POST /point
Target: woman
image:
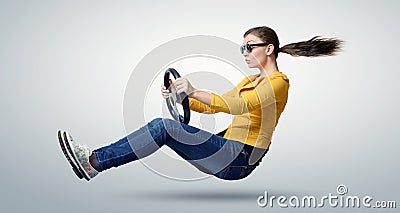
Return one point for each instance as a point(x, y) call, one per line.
point(256, 103)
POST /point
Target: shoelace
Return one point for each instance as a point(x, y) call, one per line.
point(80, 146)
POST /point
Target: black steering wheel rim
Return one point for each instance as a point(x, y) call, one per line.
point(172, 99)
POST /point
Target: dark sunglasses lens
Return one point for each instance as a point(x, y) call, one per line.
point(249, 48)
point(246, 47)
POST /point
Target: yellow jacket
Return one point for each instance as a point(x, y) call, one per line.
point(256, 107)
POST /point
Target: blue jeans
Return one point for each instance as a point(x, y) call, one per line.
point(210, 153)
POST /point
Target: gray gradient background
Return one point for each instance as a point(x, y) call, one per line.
point(65, 64)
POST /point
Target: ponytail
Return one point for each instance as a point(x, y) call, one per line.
point(314, 47)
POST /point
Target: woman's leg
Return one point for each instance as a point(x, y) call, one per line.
point(208, 152)
point(119, 152)
point(118, 146)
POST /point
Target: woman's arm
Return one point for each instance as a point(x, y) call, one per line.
point(201, 96)
point(256, 98)
point(199, 101)
point(183, 85)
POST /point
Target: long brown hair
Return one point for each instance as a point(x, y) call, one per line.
point(316, 46)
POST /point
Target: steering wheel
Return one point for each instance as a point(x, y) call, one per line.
point(174, 97)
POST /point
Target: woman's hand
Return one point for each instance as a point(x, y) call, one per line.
point(165, 91)
point(183, 85)
point(180, 85)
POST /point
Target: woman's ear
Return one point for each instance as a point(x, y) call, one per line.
point(269, 50)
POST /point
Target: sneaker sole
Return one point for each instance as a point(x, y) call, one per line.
point(75, 159)
point(70, 161)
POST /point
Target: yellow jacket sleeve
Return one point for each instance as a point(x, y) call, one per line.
point(198, 106)
point(244, 101)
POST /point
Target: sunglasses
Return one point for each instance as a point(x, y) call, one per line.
point(249, 47)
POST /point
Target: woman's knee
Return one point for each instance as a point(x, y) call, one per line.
point(164, 121)
point(155, 121)
point(171, 125)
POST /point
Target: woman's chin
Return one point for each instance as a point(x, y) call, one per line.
point(251, 66)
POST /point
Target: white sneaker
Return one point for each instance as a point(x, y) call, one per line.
point(80, 154)
point(68, 156)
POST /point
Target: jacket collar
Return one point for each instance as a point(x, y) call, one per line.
point(248, 82)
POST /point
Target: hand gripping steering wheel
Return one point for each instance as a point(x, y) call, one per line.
point(174, 98)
